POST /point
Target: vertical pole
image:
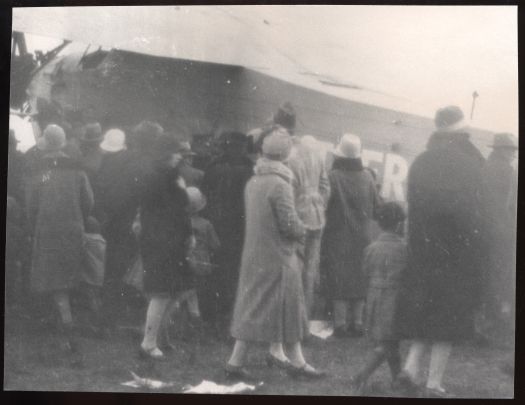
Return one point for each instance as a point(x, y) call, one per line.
point(474, 96)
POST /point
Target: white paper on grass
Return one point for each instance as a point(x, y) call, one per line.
point(321, 329)
point(139, 382)
point(210, 387)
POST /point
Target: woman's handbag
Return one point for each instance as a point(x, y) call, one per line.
point(94, 259)
point(134, 276)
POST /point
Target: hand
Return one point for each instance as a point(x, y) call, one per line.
point(136, 228)
point(181, 183)
point(192, 242)
point(175, 159)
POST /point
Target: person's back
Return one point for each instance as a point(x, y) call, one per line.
point(384, 260)
point(57, 187)
point(59, 199)
point(311, 185)
point(354, 196)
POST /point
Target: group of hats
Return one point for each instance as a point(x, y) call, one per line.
point(54, 138)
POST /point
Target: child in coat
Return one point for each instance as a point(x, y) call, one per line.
point(94, 265)
point(199, 256)
point(384, 260)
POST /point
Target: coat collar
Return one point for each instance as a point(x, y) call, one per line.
point(442, 140)
point(266, 166)
point(348, 164)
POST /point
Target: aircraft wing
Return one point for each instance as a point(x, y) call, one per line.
point(263, 38)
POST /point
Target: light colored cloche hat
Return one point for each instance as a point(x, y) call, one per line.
point(114, 141)
point(53, 139)
point(349, 147)
point(196, 199)
point(450, 119)
point(504, 140)
point(277, 145)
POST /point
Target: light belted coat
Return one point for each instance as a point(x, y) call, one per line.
point(310, 183)
point(270, 304)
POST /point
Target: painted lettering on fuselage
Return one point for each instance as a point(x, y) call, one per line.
point(391, 170)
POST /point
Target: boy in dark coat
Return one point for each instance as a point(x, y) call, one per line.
point(383, 262)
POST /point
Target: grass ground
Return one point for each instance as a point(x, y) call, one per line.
point(33, 360)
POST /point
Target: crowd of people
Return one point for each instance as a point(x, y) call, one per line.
point(249, 243)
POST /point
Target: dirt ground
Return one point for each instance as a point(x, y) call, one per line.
point(34, 360)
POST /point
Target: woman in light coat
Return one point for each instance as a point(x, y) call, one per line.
point(270, 305)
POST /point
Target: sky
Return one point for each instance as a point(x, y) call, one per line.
point(430, 55)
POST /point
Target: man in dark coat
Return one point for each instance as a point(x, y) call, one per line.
point(120, 182)
point(444, 240)
point(499, 201)
point(192, 176)
point(223, 185)
point(91, 153)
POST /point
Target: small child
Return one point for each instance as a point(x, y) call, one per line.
point(200, 252)
point(206, 244)
point(384, 260)
point(94, 265)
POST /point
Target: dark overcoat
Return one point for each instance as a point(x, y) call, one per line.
point(117, 192)
point(441, 284)
point(351, 209)
point(223, 185)
point(499, 181)
point(58, 200)
point(270, 305)
point(166, 228)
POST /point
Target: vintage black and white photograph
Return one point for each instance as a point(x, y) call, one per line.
point(263, 199)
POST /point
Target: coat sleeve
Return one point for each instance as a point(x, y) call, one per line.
point(32, 197)
point(324, 184)
point(282, 202)
point(86, 195)
point(213, 239)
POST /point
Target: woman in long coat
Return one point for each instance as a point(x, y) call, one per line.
point(442, 280)
point(270, 305)
point(349, 214)
point(165, 232)
point(58, 200)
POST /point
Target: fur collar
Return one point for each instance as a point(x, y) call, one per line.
point(266, 166)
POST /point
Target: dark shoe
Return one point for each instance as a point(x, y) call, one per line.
point(305, 371)
point(238, 373)
point(406, 384)
point(272, 361)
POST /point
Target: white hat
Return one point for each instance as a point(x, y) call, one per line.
point(277, 145)
point(349, 147)
point(114, 141)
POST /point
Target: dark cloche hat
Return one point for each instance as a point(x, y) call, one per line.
point(92, 133)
